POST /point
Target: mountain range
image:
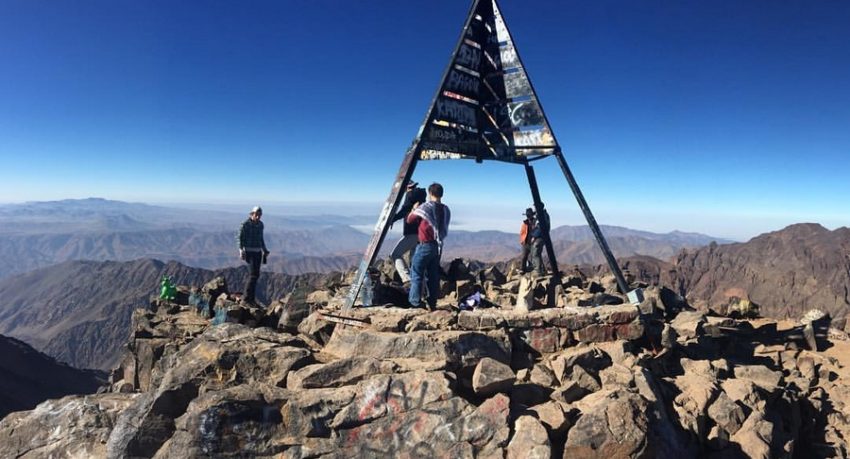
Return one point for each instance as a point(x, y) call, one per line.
point(787, 272)
point(79, 311)
point(40, 234)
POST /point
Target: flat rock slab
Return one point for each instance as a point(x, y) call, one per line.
point(572, 318)
point(383, 318)
point(761, 376)
point(337, 373)
point(562, 325)
point(457, 348)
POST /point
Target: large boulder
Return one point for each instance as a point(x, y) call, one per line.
point(73, 426)
point(612, 424)
point(392, 395)
point(696, 392)
point(551, 414)
point(688, 324)
point(235, 422)
point(617, 424)
point(589, 358)
point(755, 436)
point(727, 414)
point(310, 413)
point(491, 376)
point(223, 356)
point(292, 309)
point(530, 440)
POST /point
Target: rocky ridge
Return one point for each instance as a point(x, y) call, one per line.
point(28, 377)
point(207, 376)
point(787, 272)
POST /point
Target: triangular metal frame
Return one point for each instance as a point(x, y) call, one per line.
point(485, 109)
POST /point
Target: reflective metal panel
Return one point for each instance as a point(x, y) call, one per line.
point(486, 107)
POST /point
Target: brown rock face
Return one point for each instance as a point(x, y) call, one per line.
point(530, 440)
point(492, 376)
point(615, 424)
point(74, 426)
point(786, 272)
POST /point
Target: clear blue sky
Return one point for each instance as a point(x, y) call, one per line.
point(727, 117)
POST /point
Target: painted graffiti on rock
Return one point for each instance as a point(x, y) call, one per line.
point(434, 429)
point(418, 414)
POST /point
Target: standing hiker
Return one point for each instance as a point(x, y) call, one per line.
point(538, 239)
point(252, 249)
point(525, 240)
point(414, 196)
point(432, 222)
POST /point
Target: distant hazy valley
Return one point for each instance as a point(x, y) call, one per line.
point(36, 235)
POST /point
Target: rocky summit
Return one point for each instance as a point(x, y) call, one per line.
point(543, 367)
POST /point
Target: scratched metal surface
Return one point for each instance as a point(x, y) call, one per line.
point(486, 106)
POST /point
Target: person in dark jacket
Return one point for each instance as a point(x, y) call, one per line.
point(525, 240)
point(538, 240)
point(432, 222)
point(252, 249)
point(413, 197)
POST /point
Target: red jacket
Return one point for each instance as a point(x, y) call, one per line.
point(425, 231)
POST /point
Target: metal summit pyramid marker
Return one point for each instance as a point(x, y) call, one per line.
point(485, 109)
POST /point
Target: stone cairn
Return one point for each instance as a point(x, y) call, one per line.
point(543, 369)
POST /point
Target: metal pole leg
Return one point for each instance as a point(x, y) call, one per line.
point(597, 233)
point(405, 172)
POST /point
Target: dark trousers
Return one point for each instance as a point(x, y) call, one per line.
point(539, 267)
point(254, 259)
point(524, 264)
